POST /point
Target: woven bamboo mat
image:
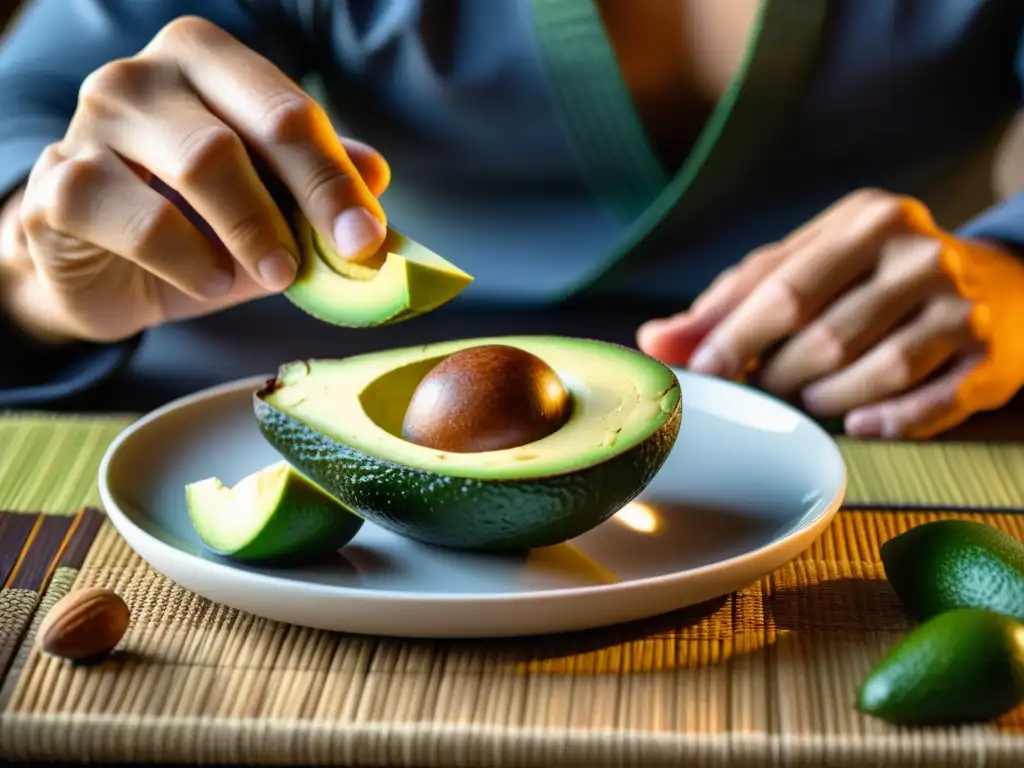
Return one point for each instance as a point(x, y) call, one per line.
point(48, 463)
point(765, 676)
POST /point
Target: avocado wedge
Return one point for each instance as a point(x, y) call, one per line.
point(401, 281)
point(340, 423)
point(272, 514)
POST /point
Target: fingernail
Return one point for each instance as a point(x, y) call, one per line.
point(864, 424)
point(708, 361)
point(357, 232)
point(218, 284)
point(277, 270)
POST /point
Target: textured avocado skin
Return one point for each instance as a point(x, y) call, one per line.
point(949, 564)
point(468, 513)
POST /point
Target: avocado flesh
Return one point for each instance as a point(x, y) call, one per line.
point(272, 514)
point(339, 421)
point(403, 280)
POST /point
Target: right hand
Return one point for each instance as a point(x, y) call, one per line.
point(100, 254)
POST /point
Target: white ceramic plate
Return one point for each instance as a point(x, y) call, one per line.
point(750, 484)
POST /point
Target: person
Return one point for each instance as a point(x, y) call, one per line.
point(772, 170)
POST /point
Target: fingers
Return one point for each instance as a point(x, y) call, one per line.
point(284, 126)
point(908, 274)
point(128, 107)
point(900, 362)
point(97, 199)
point(830, 259)
point(673, 340)
point(921, 413)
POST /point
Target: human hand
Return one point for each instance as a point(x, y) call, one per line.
point(869, 312)
point(99, 254)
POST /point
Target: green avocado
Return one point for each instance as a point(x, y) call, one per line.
point(947, 564)
point(272, 514)
point(401, 281)
point(965, 665)
point(340, 423)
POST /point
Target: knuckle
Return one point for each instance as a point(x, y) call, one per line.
point(32, 214)
point(928, 252)
point(759, 254)
point(115, 81)
point(145, 227)
point(72, 182)
point(726, 280)
point(251, 229)
point(832, 345)
point(50, 157)
point(791, 304)
point(950, 317)
point(203, 149)
point(888, 209)
point(871, 196)
point(187, 31)
point(290, 117)
point(325, 181)
point(899, 367)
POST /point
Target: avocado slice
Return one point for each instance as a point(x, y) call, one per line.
point(340, 422)
point(401, 281)
point(272, 514)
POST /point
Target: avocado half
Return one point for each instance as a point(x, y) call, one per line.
point(401, 281)
point(339, 422)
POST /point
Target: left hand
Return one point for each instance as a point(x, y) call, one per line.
point(861, 313)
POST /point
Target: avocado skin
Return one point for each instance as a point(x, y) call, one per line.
point(962, 666)
point(948, 564)
point(467, 513)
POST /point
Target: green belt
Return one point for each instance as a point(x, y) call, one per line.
point(612, 148)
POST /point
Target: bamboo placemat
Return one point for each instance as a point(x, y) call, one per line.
point(765, 676)
point(48, 463)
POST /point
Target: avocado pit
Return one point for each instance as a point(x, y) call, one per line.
point(486, 398)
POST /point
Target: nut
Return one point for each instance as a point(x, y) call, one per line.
point(84, 624)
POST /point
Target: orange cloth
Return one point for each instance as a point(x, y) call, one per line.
point(994, 282)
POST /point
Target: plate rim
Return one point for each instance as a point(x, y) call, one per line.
point(799, 538)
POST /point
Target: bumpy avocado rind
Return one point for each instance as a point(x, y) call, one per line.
point(948, 564)
point(402, 281)
point(274, 514)
point(965, 665)
point(339, 422)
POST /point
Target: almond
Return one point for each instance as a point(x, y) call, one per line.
point(84, 623)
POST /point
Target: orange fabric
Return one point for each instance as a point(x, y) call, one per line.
point(994, 282)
